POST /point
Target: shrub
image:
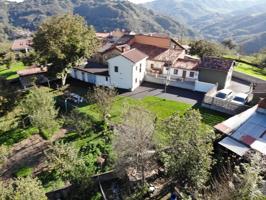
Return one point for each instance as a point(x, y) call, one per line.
point(24, 172)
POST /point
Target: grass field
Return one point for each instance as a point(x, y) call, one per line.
point(251, 70)
point(162, 108)
point(11, 73)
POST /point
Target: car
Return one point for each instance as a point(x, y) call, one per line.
point(240, 98)
point(76, 98)
point(224, 94)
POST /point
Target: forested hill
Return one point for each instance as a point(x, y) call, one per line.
point(243, 21)
point(104, 15)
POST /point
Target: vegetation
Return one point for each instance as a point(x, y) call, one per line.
point(103, 98)
point(256, 72)
point(24, 172)
point(4, 152)
point(65, 159)
point(162, 108)
point(189, 156)
point(39, 107)
point(22, 188)
point(133, 141)
point(78, 122)
point(11, 73)
point(205, 48)
point(64, 41)
point(117, 14)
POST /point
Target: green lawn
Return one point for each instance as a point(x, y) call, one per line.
point(251, 70)
point(162, 108)
point(11, 73)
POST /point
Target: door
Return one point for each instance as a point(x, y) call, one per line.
point(184, 74)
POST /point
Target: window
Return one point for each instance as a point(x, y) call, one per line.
point(191, 74)
point(175, 71)
point(106, 78)
point(116, 69)
point(136, 80)
point(140, 68)
point(152, 66)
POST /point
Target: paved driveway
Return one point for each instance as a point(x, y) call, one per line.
point(239, 86)
point(172, 93)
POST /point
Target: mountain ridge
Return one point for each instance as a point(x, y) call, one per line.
point(104, 15)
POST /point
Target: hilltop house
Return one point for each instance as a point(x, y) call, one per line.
point(155, 58)
point(22, 45)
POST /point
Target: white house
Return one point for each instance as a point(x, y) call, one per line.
point(127, 70)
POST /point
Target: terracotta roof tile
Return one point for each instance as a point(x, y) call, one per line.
point(21, 44)
point(215, 63)
point(134, 55)
point(189, 64)
point(32, 71)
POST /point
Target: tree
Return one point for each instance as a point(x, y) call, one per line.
point(188, 158)
point(205, 48)
point(39, 107)
point(80, 122)
point(133, 140)
point(63, 41)
point(66, 161)
point(103, 97)
point(242, 183)
point(4, 152)
point(230, 44)
point(9, 58)
point(22, 188)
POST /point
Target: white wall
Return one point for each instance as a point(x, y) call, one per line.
point(124, 77)
point(180, 73)
point(90, 78)
point(138, 76)
point(203, 86)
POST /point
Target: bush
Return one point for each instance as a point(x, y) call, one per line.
point(24, 172)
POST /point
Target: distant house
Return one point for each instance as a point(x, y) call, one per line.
point(22, 45)
point(125, 71)
point(217, 71)
point(245, 131)
point(32, 75)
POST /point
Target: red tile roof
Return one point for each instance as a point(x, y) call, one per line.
point(134, 55)
point(189, 64)
point(157, 53)
point(215, 63)
point(32, 71)
point(21, 44)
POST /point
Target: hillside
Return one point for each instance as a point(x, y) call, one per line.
point(188, 11)
point(242, 21)
point(104, 15)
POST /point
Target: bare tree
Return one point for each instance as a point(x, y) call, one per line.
point(104, 98)
point(133, 140)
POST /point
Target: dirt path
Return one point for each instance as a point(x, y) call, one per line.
point(29, 153)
